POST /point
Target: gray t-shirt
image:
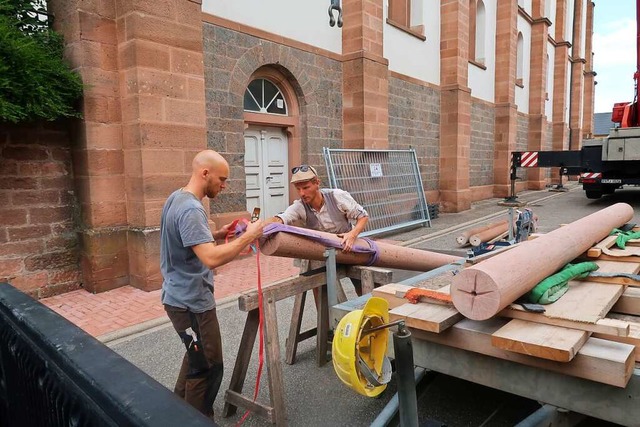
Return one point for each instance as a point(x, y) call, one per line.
point(187, 282)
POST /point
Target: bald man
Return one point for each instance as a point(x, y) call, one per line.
point(188, 253)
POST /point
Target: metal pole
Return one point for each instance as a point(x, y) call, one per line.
point(511, 224)
point(512, 177)
point(332, 278)
point(388, 412)
point(407, 397)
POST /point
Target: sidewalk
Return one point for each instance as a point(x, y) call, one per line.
point(107, 312)
point(113, 311)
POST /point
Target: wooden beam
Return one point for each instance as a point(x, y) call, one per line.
point(598, 360)
point(284, 289)
point(425, 316)
point(610, 327)
point(629, 302)
point(237, 399)
point(605, 266)
point(381, 276)
point(535, 339)
point(633, 338)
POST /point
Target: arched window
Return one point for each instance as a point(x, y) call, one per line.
point(520, 61)
point(477, 28)
point(262, 96)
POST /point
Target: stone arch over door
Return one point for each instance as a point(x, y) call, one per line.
point(291, 123)
point(312, 85)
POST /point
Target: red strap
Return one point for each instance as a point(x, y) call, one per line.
point(260, 321)
point(231, 234)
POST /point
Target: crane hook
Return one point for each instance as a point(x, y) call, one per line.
point(335, 5)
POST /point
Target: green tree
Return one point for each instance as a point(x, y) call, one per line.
point(35, 82)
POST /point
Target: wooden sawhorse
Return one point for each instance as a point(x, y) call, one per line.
point(248, 302)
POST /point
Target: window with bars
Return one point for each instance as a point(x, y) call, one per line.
point(263, 96)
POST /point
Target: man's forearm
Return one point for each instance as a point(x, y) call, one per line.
point(361, 224)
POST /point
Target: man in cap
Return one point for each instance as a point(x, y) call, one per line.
point(330, 210)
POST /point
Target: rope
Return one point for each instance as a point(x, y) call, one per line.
point(238, 227)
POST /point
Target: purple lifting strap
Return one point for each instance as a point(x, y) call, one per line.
point(273, 228)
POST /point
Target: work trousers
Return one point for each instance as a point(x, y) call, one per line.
point(202, 368)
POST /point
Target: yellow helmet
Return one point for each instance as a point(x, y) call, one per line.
point(359, 359)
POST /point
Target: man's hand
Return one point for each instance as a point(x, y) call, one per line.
point(222, 232)
point(254, 229)
point(348, 240)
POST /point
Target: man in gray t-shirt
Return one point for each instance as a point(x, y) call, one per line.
point(188, 253)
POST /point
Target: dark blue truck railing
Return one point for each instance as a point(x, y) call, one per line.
point(54, 374)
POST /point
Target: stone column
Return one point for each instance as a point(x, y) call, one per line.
point(537, 91)
point(163, 116)
point(589, 77)
point(560, 74)
point(455, 106)
point(365, 95)
point(143, 121)
point(89, 31)
point(577, 79)
point(506, 128)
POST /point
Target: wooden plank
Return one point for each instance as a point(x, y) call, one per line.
point(284, 289)
point(274, 372)
point(605, 266)
point(425, 316)
point(291, 344)
point(633, 338)
point(598, 360)
point(381, 276)
point(535, 339)
point(606, 243)
point(606, 326)
point(388, 292)
point(629, 302)
point(237, 399)
point(585, 301)
point(392, 292)
point(634, 259)
point(242, 361)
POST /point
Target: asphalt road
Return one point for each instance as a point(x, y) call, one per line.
point(315, 396)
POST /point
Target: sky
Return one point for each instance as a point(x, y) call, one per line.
point(614, 52)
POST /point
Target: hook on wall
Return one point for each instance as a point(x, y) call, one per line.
point(335, 5)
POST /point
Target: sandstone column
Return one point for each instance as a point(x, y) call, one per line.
point(89, 31)
point(537, 91)
point(589, 76)
point(577, 79)
point(365, 89)
point(560, 81)
point(163, 116)
point(143, 121)
point(506, 128)
point(455, 106)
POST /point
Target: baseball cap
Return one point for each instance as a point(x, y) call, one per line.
point(303, 173)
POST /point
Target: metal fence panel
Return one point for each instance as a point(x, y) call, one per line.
point(386, 183)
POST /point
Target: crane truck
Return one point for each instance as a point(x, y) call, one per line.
point(603, 165)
